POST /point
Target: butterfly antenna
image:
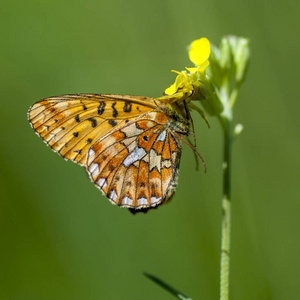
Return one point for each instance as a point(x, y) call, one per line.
point(193, 148)
point(188, 114)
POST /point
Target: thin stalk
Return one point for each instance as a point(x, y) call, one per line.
point(226, 207)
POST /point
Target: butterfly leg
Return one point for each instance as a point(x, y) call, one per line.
point(189, 117)
point(177, 134)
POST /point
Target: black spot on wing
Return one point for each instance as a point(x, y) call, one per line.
point(77, 119)
point(93, 121)
point(89, 141)
point(115, 111)
point(75, 134)
point(127, 107)
point(78, 151)
point(101, 107)
point(112, 122)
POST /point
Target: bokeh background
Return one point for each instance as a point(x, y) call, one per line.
point(61, 239)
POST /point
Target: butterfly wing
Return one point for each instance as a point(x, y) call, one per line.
point(70, 124)
point(137, 165)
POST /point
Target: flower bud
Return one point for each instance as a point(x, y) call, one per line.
point(200, 92)
point(241, 55)
point(225, 59)
point(205, 92)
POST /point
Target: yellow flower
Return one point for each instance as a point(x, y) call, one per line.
point(182, 80)
point(199, 54)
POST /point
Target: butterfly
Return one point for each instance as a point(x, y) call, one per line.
point(129, 145)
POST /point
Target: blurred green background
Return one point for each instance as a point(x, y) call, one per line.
point(61, 239)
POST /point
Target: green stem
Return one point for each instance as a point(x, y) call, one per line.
point(226, 121)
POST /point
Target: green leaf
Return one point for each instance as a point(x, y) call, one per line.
point(166, 286)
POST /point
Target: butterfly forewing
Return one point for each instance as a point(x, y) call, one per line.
point(69, 124)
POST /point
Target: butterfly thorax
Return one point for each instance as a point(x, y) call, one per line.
point(178, 119)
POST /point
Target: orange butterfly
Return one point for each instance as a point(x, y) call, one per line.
point(129, 145)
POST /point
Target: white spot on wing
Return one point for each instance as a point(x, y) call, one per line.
point(134, 156)
point(131, 146)
point(146, 158)
point(94, 169)
point(91, 154)
point(102, 183)
point(154, 199)
point(131, 130)
point(166, 163)
point(127, 201)
point(136, 164)
point(113, 195)
point(174, 154)
point(154, 160)
point(142, 201)
point(162, 136)
point(128, 141)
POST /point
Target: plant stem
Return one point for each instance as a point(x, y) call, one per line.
point(225, 121)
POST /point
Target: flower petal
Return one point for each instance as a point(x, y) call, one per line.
point(193, 70)
point(179, 82)
point(200, 69)
point(200, 51)
point(203, 66)
point(171, 90)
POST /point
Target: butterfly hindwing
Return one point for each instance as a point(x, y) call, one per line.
point(136, 165)
point(70, 124)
